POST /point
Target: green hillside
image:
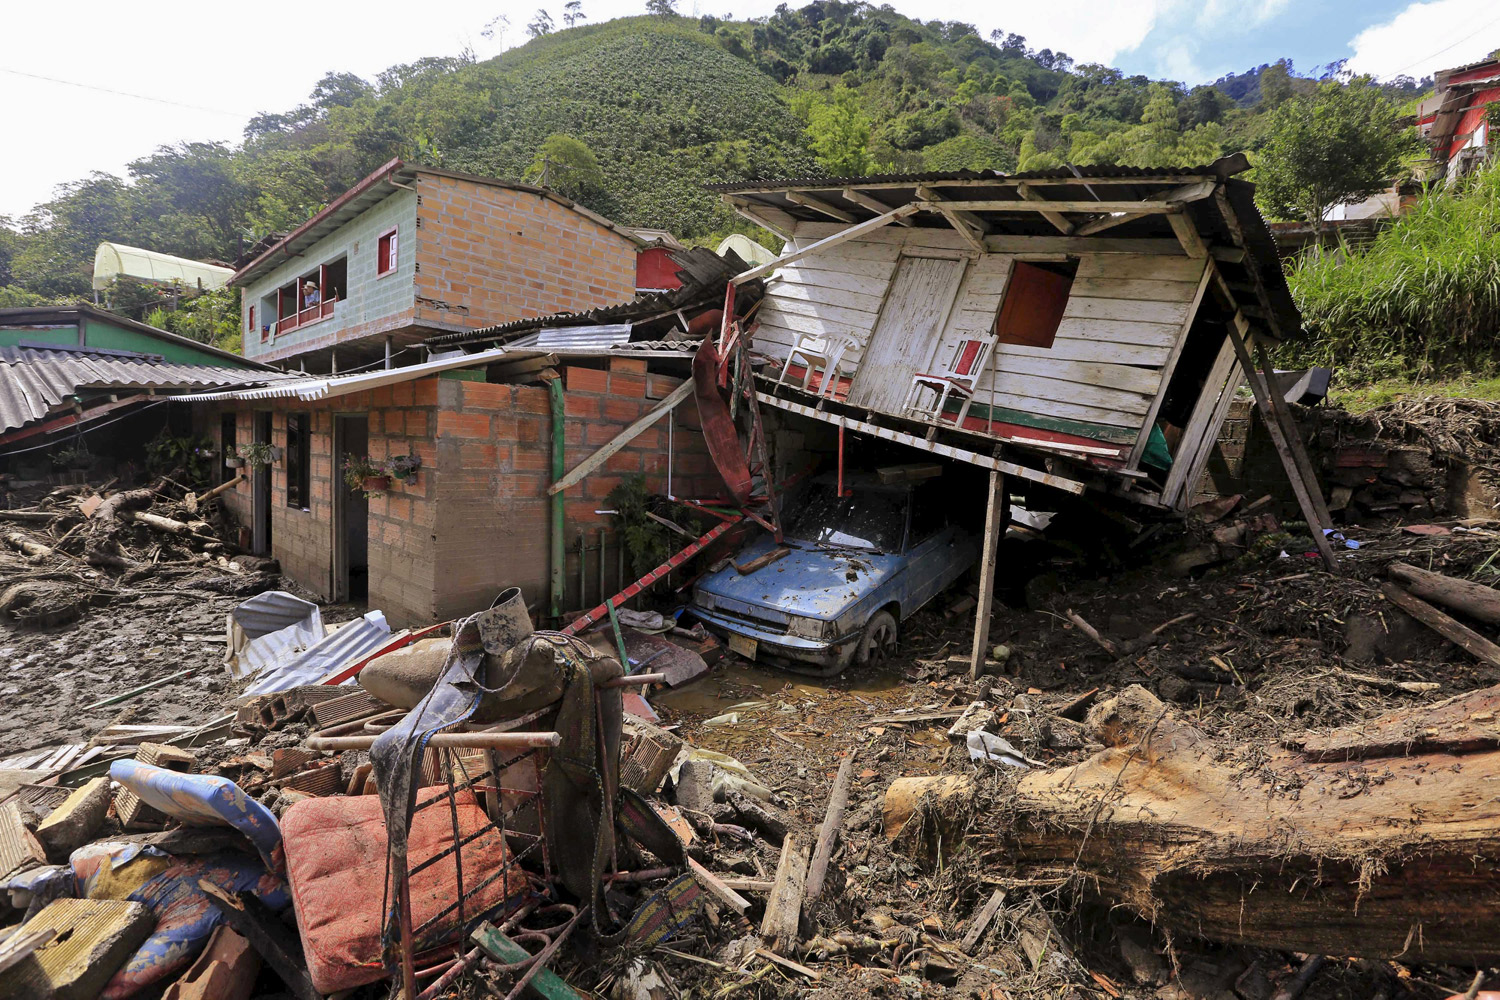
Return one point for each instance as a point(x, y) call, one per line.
point(632, 117)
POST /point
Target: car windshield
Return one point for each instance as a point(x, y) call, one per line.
point(873, 520)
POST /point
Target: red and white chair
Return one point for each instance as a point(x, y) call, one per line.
point(959, 380)
point(826, 350)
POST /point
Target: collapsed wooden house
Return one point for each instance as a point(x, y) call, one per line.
point(1091, 321)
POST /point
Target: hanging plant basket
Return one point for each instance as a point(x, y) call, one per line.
point(235, 462)
point(376, 484)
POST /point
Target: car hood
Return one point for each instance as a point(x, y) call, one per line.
point(812, 582)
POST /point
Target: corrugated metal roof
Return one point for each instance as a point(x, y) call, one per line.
point(308, 388)
point(34, 382)
point(1224, 167)
point(601, 337)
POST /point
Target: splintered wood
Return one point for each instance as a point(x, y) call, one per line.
point(1348, 849)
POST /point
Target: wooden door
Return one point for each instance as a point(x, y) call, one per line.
point(911, 321)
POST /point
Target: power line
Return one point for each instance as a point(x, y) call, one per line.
point(1455, 45)
point(126, 93)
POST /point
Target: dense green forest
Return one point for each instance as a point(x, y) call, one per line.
point(634, 116)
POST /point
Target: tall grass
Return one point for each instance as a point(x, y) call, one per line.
point(1422, 301)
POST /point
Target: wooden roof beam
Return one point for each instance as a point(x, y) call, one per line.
point(821, 206)
point(969, 226)
point(770, 218)
point(1057, 219)
point(873, 204)
point(859, 229)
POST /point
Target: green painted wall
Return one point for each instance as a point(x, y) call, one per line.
point(119, 338)
point(11, 336)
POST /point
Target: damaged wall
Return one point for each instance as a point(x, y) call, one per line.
point(477, 517)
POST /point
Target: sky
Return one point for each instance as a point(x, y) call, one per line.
point(107, 83)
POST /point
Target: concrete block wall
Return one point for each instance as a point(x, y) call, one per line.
point(477, 518)
point(488, 255)
point(377, 303)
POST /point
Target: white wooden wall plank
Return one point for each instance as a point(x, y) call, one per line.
point(1067, 349)
point(831, 263)
point(841, 280)
point(1142, 381)
point(836, 297)
point(1170, 313)
point(844, 319)
point(1153, 267)
point(1134, 288)
point(1057, 408)
point(1038, 387)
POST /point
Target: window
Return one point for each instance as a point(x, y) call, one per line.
point(250, 323)
point(385, 253)
point(226, 447)
point(1032, 308)
point(298, 460)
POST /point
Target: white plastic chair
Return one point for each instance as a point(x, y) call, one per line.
point(826, 350)
point(960, 378)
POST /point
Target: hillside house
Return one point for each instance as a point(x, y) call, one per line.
point(411, 252)
point(1455, 118)
point(1076, 318)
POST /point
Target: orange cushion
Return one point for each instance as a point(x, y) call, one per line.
point(335, 859)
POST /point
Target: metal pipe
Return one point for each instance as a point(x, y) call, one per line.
point(388, 363)
point(671, 420)
point(634, 679)
point(465, 741)
point(841, 459)
point(555, 540)
point(603, 586)
point(619, 562)
point(545, 956)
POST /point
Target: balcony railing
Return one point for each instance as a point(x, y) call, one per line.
point(311, 314)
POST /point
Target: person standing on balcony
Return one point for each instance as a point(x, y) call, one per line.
point(309, 294)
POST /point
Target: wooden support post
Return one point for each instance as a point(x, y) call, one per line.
point(1455, 632)
point(1285, 447)
point(993, 528)
point(784, 908)
point(868, 226)
point(1267, 375)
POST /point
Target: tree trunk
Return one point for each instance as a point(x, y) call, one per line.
point(1473, 599)
point(1395, 857)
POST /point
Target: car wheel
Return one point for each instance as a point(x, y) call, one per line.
point(879, 643)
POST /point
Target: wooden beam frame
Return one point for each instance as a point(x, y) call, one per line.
point(1167, 369)
point(902, 437)
point(1060, 221)
point(998, 181)
point(774, 219)
point(819, 205)
point(1021, 205)
point(994, 527)
point(873, 204)
point(868, 226)
point(1076, 243)
point(620, 440)
point(969, 226)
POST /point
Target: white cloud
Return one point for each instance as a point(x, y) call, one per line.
point(230, 61)
point(1426, 37)
point(1236, 15)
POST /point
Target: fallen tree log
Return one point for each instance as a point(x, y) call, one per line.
point(195, 531)
point(1391, 857)
point(1456, 632)
point(28, 548)
point(1473, 599)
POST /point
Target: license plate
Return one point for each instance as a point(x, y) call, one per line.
point(742, 645)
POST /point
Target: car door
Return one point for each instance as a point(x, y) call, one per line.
point(930, 547)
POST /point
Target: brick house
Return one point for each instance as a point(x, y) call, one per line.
point(477, 516)
point(1457, 120)
point(411, 252)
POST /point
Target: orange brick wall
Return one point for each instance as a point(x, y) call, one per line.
point(488, 255)
point(477, 518)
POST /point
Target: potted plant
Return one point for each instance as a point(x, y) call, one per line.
point(404, 467)
point(234, 461)
point(362, 474)
point(277, 452)
point(255, 454)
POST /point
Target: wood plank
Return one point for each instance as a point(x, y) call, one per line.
point(981, 922)
point(1169, 366)
point(620, 440)
point(1119, 331)
point(1187, 235)
point(866, 250)
point(1129, 378)
point(1141, 266)
point(739, 904)
point(873, 204)
point(934, 237)
point(784, 908)
point(1022, 207)
point(1142, 289)
point(1104, 352)
point(873, 285)
point(1067, 391)
point(994, 528)
point(819, 205)
point(831, 263)
point(1474, 599)
point(1205, 450)
point(833, 820)
point(1198, 429)
point(1083, 245)
point(781, 308)
point(1056, 408)
point(1170, 313)
point(835, 297)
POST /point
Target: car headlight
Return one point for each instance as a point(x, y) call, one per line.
point(811, 628)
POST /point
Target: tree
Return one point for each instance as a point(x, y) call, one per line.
point(1337, 145)
point(573, 12)
point(840, 132)
point(496, 28)
point(662, 8)
point(566, 165)
point(540, 25)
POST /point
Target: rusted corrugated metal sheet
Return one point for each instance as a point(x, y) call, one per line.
point(34, 382)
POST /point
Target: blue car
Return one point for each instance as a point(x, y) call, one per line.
point(859, 565)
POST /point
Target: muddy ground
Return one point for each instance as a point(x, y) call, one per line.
point(1258, 646)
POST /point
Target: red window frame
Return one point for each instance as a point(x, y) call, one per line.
point(387, 246)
